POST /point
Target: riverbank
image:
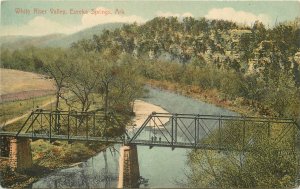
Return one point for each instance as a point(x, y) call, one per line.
point(48, 157)
point(150, 160)
point(240, 105)
point(143, 109)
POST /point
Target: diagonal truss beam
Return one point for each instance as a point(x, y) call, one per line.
point(180, 130)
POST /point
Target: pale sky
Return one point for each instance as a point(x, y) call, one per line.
point(36, 18)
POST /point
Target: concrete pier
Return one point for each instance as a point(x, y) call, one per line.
point(4, 147)
point(20, 156)
point(129, 172)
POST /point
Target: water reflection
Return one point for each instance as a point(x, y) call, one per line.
point(161, 167)
point(100, 171)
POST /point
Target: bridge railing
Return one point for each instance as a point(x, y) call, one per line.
point(216, 132)
point(72, 125)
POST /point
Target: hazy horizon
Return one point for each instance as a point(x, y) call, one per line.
point(20, 18)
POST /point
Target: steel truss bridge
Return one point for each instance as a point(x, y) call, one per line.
point(212, 132)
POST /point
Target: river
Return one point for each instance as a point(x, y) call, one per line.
point(162, 167)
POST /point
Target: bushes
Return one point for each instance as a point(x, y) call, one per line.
point(231, 85)
point(259, 166)
point(278, 95)
point(77, 152)
point(60, 154)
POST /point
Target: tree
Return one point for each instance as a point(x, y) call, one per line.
point(86, 45)
point(56, 64)
point(6, 58)
point(83, 77)
point(283, 95)
point(107, 73)
point(127, 86)
point(253, 88)
point(261, 166)
point(246, 46)
point(259, 32)
point(231, 84)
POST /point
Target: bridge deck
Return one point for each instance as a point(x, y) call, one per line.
point(112, 140)
point(60, 137)
point(180, 131)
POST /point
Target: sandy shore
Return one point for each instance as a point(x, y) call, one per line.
point(143, 109)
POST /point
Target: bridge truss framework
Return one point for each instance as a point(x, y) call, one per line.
point(215, 132)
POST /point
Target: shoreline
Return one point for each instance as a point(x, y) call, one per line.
point(142, 110)
point(208, 96)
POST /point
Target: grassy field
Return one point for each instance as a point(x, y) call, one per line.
point(46, 156)
point(14, 81)
point(10, 110)
point(16, 85)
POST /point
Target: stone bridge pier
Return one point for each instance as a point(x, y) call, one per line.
point(4, 147)
point(129, 173)
point(18, 151)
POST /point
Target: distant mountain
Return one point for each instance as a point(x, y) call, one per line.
point(54, 40)
point(18, 42)
point(66, 41)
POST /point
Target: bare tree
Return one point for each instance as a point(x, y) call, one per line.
point(83, 78)
point(56, 66)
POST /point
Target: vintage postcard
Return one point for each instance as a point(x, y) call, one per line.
point(150, 94)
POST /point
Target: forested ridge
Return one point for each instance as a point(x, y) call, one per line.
point(255, 65)
point(259, 64)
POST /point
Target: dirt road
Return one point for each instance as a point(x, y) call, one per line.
point(13, 120)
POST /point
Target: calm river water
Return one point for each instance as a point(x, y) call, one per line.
point(163, 167)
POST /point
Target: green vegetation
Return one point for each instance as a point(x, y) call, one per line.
point(255, 66)
point(83, 75)
point(260, 168)
point(9, 110)
point(265, 157)
point(46, 158)
point(61, 154)
point(260, 65)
